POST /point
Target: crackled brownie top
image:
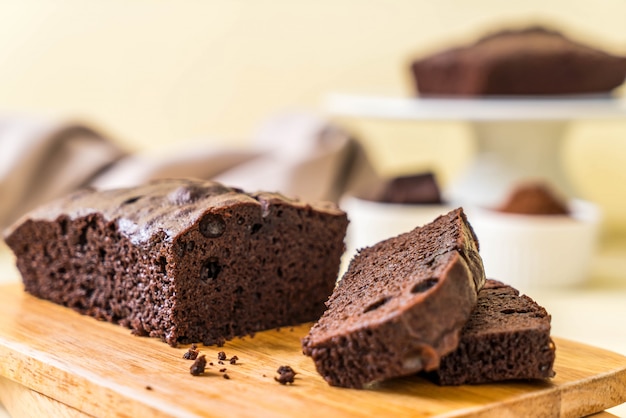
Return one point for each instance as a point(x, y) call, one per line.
point(171, 206)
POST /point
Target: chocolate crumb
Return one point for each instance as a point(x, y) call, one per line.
point(192, 353)
point(226, 376)
point(197, 368)
point(221, 355)
point(211, 363)
point(233, 360)
point(220, 362)
point(285, 375)
point(148, 387)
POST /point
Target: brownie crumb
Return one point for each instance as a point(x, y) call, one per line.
point(233, 360)
point(192, 353)
point(221, 355)
point(197, 368)
point(220, 362)
point(285, 375)
point(223, 370)
point(211, 363)
point(148, 387)
point(226, 376)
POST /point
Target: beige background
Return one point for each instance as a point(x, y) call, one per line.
point(156, 74)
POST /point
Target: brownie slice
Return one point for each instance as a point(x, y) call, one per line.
point(533, 199)
point(400, 306)
point(507, 337)
point(185, 261)
point(531, 61)
point(412, 189)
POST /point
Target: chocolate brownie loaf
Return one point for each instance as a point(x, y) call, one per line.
point(533, 199)
point(185, 261)
point(507, 337)
point(400, 306)
point(532, 61)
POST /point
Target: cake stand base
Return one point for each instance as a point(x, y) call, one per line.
point(509, 152)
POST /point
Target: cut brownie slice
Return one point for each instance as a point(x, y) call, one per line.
point(413, 189)
point(400, 306)
point(507, 337)
point(185, 261)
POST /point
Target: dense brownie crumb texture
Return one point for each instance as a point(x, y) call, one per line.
point(400, 306)
point(184, 261)
point(531, 61)
point(507, 337)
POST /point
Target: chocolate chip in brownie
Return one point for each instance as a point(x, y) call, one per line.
point(212, 225)
point(210, 269)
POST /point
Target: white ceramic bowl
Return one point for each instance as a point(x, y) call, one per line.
point(371, 222)
point(537, 251)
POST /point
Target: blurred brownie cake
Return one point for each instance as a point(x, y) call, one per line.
point(533, 198)
point(532, 61)
point(419, 188)
point(185, 261)
point(507, 337)
point(400, 306)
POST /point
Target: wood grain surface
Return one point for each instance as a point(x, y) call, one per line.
point(100, 369)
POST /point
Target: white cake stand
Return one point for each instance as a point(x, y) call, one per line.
point(517, 138)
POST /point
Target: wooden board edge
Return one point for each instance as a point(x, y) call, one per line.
point(55, 383)
point(21, 401)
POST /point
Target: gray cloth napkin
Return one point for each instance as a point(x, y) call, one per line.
point(298, 154)
point(43, 159)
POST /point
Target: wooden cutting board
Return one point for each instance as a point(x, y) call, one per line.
point(100, 369)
